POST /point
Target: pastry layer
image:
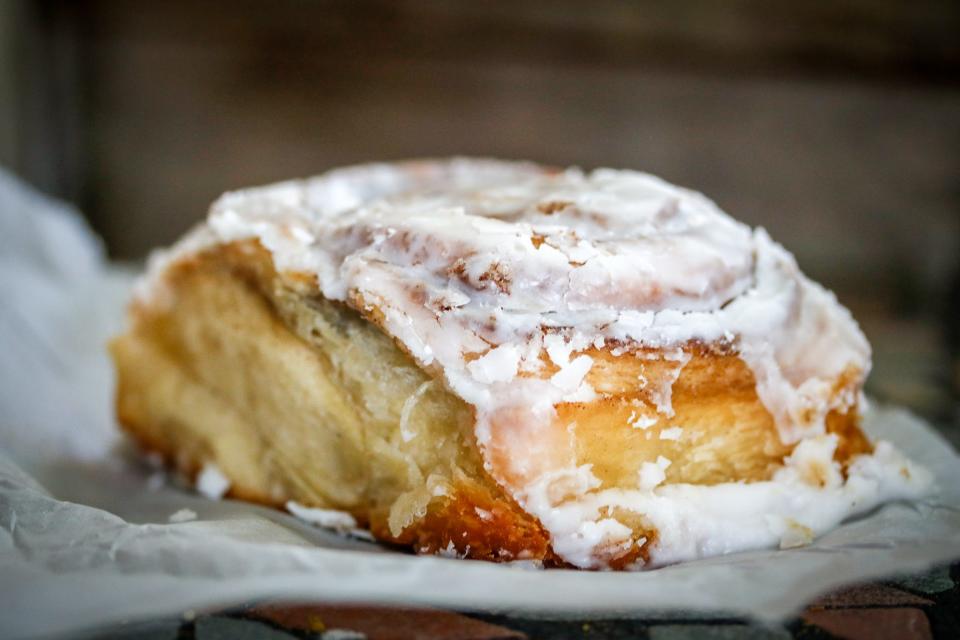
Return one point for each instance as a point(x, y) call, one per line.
point(295, 397)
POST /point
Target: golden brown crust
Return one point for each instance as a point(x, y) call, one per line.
point(478, 520)
point(248, 368)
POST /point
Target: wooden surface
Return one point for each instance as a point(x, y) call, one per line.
point(833, 124)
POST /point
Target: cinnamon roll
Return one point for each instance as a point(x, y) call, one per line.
point(504, 361)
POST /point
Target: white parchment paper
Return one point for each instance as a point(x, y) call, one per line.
point(85, 531)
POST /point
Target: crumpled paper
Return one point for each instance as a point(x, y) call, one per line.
point(85, 531)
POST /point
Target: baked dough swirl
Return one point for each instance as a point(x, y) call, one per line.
point(505, 361)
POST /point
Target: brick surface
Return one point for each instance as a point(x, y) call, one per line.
point(872, 624)
point(870, 595)
point(717, 632)
point(383, 623)
point(221, 628)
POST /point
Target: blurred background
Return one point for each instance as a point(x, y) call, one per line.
point(835, 124)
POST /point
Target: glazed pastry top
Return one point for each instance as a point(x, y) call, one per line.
point(487, 271)
point(478, 266)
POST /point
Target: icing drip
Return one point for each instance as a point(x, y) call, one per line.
point(211, 482)
point(484, 271)
point(695, 521)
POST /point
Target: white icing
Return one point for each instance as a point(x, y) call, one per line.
point(569, 377)
point(653, 474)
point(212, 483)
point(183, 515)
point(662, 394)
point(559, 347)
point(673, 433)
point(640, 421)
point(485, 270)
point(327, 518)
point(497, 365)
point(696, 521)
